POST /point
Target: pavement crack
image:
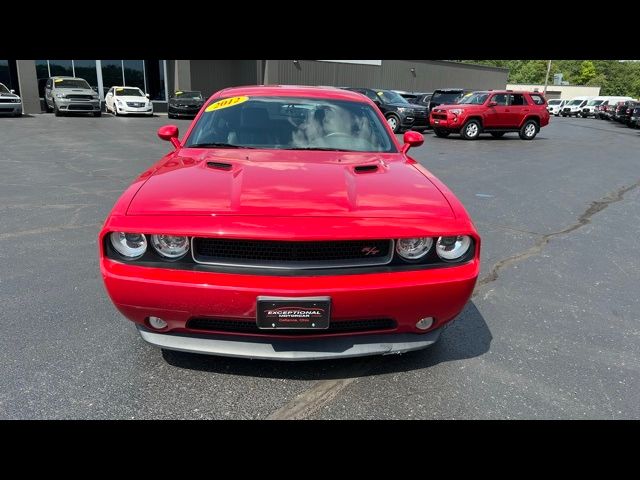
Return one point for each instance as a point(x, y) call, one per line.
point(323, 392)
point(595, 207)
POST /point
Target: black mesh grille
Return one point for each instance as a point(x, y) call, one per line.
point(243, 326)
point(80, 97)
point(80, 107)
point(286, 254)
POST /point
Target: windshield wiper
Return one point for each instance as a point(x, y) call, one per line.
point(216, 145)
point(325, 149)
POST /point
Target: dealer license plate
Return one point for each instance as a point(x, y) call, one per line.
point(312, 313)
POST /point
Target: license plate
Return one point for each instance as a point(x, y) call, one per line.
point(309, 313)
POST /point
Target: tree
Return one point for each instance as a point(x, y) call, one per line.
point(587, 72)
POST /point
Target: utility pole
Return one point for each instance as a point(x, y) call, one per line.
point(546, 79)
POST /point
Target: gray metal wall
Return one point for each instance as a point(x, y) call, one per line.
point(209, 76)
point(392, 74)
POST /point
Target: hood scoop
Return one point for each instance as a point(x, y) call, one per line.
point(220, 165)
point(366, 168)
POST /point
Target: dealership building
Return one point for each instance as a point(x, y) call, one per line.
point(159, 78)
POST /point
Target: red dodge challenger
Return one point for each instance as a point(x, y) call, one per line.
point(289, 223)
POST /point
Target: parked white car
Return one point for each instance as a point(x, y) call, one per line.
point(574, 106)
point(128, 100)
point(555, 105)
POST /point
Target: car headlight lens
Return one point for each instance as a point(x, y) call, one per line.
point(170, 246)
point(95, 97)
point(130, 245)
point(413, 248)
point(402, 109)
point(456, 111)
point(452, 248)
point(60, 95)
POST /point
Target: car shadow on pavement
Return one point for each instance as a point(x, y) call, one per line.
point(467, 337)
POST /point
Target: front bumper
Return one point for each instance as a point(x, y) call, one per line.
point(183, 111)
point(11, 108)
point(451, 122)
point(312, 349)
point(177, 296)
point(67, 105)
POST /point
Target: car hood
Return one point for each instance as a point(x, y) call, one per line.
point(186, 101)
point(76, 91)
point(9, 95)
point(132, 98)
point(293, 183)
point(465, 106)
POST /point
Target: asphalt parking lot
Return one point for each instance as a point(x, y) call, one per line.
point(552, 331)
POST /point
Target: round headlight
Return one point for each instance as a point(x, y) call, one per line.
point(130, 245)
point(170, 246)
point(413, 248)
point(452, 248)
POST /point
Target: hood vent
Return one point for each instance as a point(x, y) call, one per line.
point(219, 165)
point(366, 168)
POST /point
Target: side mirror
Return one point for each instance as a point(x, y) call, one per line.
point(146, 95)
point(412, 139)
point(493, 104)
point(169, 133)
point(12, 91)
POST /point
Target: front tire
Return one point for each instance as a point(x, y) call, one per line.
point(471, 130)
point(56, 110)
point(441, 133)
point(394, 123)
point(529, 130)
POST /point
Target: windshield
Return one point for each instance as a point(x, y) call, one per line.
point(475, 99)
point(445, 97)
point(575, 102)
point(71, 83)
point(391, 97)
point(592, 103)
point(554, 102)
point(129, 92)
point(187, 95)
point(291, 124)
point(4, 89)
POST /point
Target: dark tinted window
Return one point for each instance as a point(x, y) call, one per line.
point(446, 97)
point(517, 99)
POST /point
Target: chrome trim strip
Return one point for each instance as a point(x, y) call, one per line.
point(293, 349)
point(301, 266)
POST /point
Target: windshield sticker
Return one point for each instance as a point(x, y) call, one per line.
point(59, 80)
point(121, 89)
point(178, 93)
point(227, 102)
point(380, 93)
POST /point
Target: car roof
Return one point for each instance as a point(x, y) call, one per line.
point(290, 91)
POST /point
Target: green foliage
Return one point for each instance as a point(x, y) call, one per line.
point(613, 76)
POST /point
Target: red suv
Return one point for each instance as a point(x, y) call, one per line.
point(496, 112)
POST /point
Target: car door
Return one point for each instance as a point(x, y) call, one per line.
point(518, 109)
point(496, 115)
point(47, 91)
point(108, 99)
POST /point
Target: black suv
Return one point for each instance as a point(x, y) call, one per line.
point(400, 114)
point(446, 96)
point(634, 119)
point(184, 103)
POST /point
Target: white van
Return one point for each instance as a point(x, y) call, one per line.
point(555, 105)
point(590, 110)
point(574, 106)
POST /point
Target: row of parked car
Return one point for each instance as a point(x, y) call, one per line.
point(622, 109)
point(466, 112)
